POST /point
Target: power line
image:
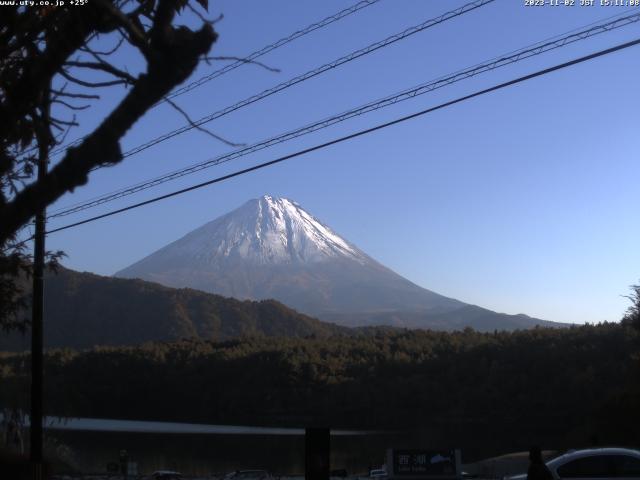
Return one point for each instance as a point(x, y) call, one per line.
point(407, 94)
point(269, 48)
point(313, 73)
point(360, 133)
point(310, 74)
point(248, 59)
point(477, 69)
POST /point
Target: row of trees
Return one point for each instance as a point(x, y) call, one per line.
point(560, 387)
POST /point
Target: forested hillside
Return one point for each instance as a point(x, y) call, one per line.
point(83, 310)
point(556, 387)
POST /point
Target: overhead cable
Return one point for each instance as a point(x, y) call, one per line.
point(443, 81)
point(252, 57)
point(269, 48)
point(360, 133)
point(310, 74)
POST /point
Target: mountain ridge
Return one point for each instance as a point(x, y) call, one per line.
point(84, 309)
point(272, 248)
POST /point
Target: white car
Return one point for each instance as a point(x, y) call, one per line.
point(593, 464)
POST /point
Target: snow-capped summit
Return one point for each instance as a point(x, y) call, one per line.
point(271, 230)
point(272, 248)
point(264, 231)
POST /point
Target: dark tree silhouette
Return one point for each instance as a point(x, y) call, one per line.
point(632, 316)
point(498, 391)
point(51, 67)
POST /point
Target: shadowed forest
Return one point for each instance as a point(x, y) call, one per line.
point(556, 387)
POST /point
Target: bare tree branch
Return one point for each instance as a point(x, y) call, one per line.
point(57, 121)
point(172, 54)
point(61, 139)
point(70, 32)
point(136, 37)
point(209, 21)
point(199, 127)
point(105, 53)
point(105, 67)
point(84, 83)
point(72, 107)
point(76, 95)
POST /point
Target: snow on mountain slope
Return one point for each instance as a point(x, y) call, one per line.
point(272, 248)
point(264, 231)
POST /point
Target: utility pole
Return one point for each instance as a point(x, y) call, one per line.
point(317, 451)
point(37, 307)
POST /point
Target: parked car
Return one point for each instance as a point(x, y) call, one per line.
point(593, 463)
point(249, 475)
point(166, 475)
point(378, 473)
point(339, 473)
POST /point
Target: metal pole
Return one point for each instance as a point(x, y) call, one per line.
point(317, 446)
point(35, 417)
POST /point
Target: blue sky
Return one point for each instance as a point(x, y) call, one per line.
point(521, 201)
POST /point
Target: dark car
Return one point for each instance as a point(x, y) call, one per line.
point(166, 475)
point(249, 475)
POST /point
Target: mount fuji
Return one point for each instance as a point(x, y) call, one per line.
point(272, 248)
